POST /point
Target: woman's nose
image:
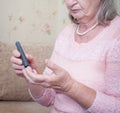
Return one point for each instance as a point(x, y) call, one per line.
point(71, 2)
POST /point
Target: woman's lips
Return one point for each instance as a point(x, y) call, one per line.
point(75, 10)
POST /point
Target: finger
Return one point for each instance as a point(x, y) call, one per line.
point(26, 76)
point(15, 60)
point(18, 72)
point(43, 84)
point(55, 68)
point(34, 71)
point(17, 67)
point(16, 53)
point(29, 57)
point(51, 79)
point(56, 87)
point(35, 77)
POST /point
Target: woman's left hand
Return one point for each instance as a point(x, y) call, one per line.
point(60, 79)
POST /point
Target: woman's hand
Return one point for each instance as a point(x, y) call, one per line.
point(17, 63)
point(60, 80)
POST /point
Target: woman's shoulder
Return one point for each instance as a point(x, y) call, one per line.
point(114, 50)
point(64, 38)
point(116, 22)
point(113, 29)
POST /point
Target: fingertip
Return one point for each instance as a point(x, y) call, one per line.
point(28, 68)
point(34, 71)
point(16, 53)
point(46, 61)
point(29, 57)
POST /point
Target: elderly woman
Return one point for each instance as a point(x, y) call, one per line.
point(83, 73)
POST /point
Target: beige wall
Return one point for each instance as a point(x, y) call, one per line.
point(32, 21)
point(118, 5)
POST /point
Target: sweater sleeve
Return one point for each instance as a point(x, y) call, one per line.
point(46, 99)
point(109, 100)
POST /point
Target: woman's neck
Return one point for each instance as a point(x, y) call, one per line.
point(85, 25)
point(88, 22)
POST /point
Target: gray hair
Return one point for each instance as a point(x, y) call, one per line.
point(106, 14)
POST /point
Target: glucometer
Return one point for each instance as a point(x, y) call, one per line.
point(22, 54)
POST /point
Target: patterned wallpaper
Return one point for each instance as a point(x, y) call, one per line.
point(30, 21)
point(33, 21)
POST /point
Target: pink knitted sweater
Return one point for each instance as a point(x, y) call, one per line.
point(95, 64)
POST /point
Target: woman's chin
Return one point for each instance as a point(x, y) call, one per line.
point(78, 16)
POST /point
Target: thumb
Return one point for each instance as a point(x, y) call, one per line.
point(51, 65)
point(29, 57)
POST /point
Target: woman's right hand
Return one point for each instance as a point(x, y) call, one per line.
point(17, 63)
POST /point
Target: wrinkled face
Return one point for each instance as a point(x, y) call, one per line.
point(83, 9)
